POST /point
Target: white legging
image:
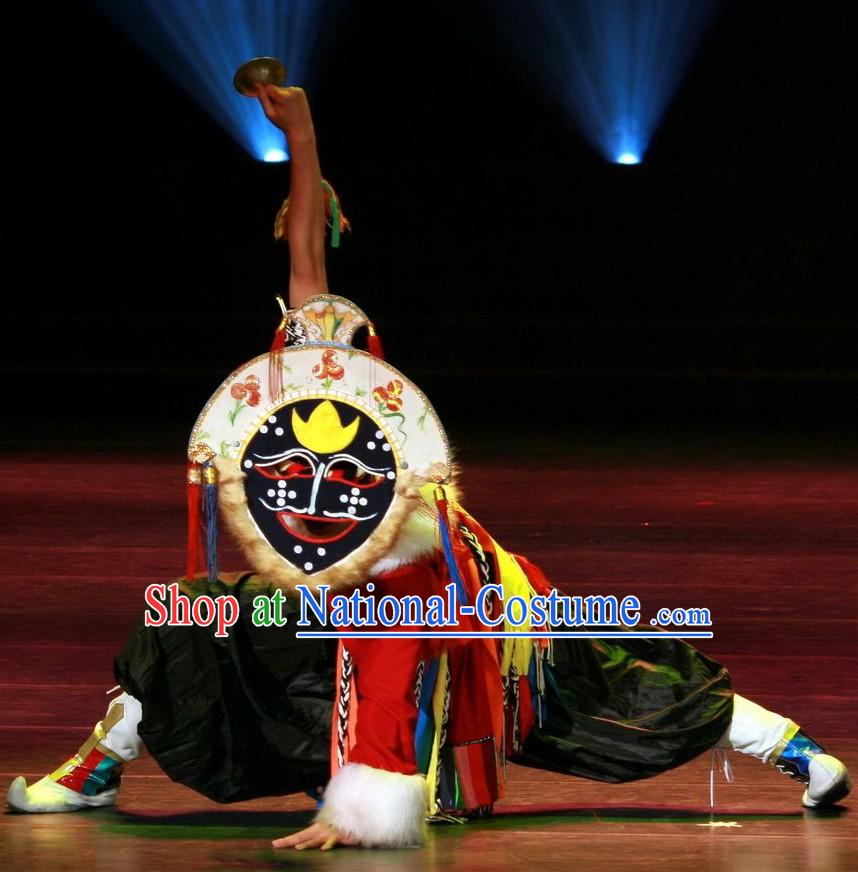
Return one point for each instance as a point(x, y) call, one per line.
point(754, 730)
point(122, 737)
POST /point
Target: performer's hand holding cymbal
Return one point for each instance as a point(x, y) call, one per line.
point(288, 109)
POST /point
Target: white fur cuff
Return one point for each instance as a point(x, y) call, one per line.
point(382, 809)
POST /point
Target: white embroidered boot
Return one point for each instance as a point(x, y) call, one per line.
point(91, 778)
point(779, 741)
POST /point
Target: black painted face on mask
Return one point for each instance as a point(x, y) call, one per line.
point(320, 479)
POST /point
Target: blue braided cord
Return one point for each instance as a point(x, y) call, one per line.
point(447, 545)
point(210, 504)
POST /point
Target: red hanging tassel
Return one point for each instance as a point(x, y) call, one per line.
point(275, 370)
point(373, 343)
point(196, 563)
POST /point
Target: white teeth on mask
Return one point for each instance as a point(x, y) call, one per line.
point(350, 516)
point(283, 508)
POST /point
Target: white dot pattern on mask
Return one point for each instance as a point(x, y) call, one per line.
point(281, 502)
point(271, 492)
point(343, 498)
point(297, 549)
point(248, 464)
point(363, 501)
point(292, 495)
point(386, 446)
point(379, 434)
point(308, 566)
point(321, 552)
point(263, 428)
point(355, 491)
point(370, 445)
point(352, 510)
point(278, 431)
point(391, 475)
point(272, 419)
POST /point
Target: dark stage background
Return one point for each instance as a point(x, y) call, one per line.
point(701, 307)
point(708, 290)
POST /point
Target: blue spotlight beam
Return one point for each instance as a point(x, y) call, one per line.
point(614, 64)
point(200, 44)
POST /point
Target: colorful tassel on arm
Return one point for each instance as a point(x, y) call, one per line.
point(337, 221)
point(334, 216)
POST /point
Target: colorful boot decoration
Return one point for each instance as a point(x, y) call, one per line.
point(803, 759)
point(777, 740)
point(89, 779)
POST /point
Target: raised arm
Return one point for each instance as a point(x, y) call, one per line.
point(288, 109)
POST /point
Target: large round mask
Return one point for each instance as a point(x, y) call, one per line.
point(317, 484)
point(320, 480)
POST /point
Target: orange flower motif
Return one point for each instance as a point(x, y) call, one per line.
point(248, 390)
point(390, 396)
point(329, 368)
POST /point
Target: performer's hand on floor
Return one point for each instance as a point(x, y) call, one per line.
point(321, 836)
point(286, 108)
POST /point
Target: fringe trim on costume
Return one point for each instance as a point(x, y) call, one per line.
point(382, 809)
point(350, 572)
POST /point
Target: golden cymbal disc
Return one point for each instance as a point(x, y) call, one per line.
point(258, 71)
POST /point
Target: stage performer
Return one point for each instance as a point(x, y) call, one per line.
point(328, 466)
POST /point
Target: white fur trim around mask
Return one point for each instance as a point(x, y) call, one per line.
point(418, 536)
point(381, 809)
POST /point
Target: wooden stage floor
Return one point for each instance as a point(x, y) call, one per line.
point(769, 544)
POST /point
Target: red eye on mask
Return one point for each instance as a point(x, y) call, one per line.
point(293, 467)
point(350, 473)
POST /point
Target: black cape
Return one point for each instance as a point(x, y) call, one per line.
point(250, 715)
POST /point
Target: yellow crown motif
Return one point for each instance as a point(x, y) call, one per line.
point(329, 319)
point(323, 431)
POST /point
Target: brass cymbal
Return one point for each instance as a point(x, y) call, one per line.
point(258, 71)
